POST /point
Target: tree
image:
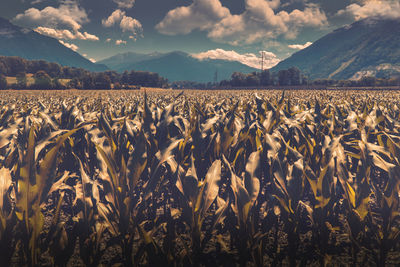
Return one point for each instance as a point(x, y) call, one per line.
point(57, 84)
point(283, 77)
point(224, 83)
point(71, 72)
point(3, 66)
point(143, 78)
point(368, 81)
point(265, 78)
point(54, 70)
point(252, 79)
point(74, 83)
point(125, 78)
point(15, 65)
point(117, 86)
point(304, 80)
point(3, 82)
point(21, 80)
point(42, 80)
point(88, 81)
point(238, 79)
point(113, 75)
point(294, 76)
point(102, 81)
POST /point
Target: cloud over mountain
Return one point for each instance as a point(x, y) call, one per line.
point(70, 46)
point(66, 34)
point(63, 22)
point(249, 59)
point(300, 46)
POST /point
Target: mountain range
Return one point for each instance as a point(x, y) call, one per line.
point(176, 66)
point(28, 44)
point(366, 47)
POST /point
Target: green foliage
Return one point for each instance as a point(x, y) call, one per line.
point(194, 178)
point(22, 80)
point(42, 80)
point(79, 78)
point(3, 82)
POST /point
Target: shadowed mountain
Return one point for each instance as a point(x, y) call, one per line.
point(28, 44)
point(176, 66)
point(121, 62)
point(366, 47)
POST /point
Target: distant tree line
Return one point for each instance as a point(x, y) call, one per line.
point(292, 76)
point(48, 75)
point(114, 80)
point(192, 85)
point(12, 66)
point(265, 78)
point(54, 76)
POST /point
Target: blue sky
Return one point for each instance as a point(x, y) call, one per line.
point(237, 29)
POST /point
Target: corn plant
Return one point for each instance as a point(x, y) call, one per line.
point(199, 178)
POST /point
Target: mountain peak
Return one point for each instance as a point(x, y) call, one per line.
point(28, 44)
point(176, 66)
point(365, 44)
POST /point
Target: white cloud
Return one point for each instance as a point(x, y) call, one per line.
point(130, 24)
point(114, 18)
point(124, 3)
point(259, 21)
point(91, 59)
point(385, 8)
point(64, 22)
point(249, 59)
point(70, 46)
point(201, 14)
point(125, 23)
point(67, 15)
point(300, 46)
point(66, 34)
point(35, 2)
point(119, 42)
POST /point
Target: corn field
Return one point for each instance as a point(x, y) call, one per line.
point(199, 178)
